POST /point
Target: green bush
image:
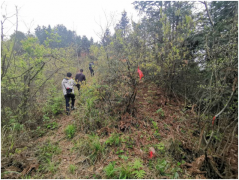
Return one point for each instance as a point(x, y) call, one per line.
point(54, 103)
point(70, 131)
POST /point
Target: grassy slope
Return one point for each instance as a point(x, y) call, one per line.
point(170, 122)
point(160, 125)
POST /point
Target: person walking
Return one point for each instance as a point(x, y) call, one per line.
point(68, 90)
point(79, 78)
point(91, 69)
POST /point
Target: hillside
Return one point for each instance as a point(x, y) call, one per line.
point(159, 97)
point(160, 124)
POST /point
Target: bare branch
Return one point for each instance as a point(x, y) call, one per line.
point(205, 2)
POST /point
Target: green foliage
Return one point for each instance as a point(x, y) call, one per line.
point(10, 133)
point(161, 147)
point(13, 124)
point(161, 166)
point(46, 151)
point(46, 117)
point(155, 126)
point(165, 126)
point(160, 111)
point(114, 139)
point(139, 174)
point(175, 171)
point(96, 148)
point(54, 102)
point(39, 131)
point(91, 116)
point(137, 164)
point(129, 142)
point(16, 126)
point(27, 80)
point(72, 169)
point(70, 131)
point(125, 171)
point(51, 166)
point(120, 151)
point(110, 170)
point(91, 147)
point(45, 154)
point(56, 105)
point(123, 157)
point(198, 64)
point(52, 125)
point(65, 38)
point(132, 170)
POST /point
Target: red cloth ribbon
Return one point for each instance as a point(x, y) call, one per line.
point(213, 119)
point(151, 154)
point(140, 73)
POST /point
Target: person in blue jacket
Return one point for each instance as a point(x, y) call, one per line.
point(91, 69)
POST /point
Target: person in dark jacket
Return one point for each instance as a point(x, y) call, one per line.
point(91, 69)
point(68, 91)
point(79, 78)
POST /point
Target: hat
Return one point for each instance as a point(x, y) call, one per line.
point(69, 74)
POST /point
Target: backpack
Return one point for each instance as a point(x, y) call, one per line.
point(90, 65)
point(68, 89)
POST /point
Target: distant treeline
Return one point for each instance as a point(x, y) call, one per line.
point(60, 37)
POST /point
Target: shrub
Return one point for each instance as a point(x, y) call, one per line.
point(70, 131)
point(55, 101)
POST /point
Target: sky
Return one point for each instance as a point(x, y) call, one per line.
point(86, 17)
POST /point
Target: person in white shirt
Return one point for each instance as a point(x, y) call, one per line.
point(68, 90)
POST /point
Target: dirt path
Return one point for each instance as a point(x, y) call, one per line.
point(66, 156)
